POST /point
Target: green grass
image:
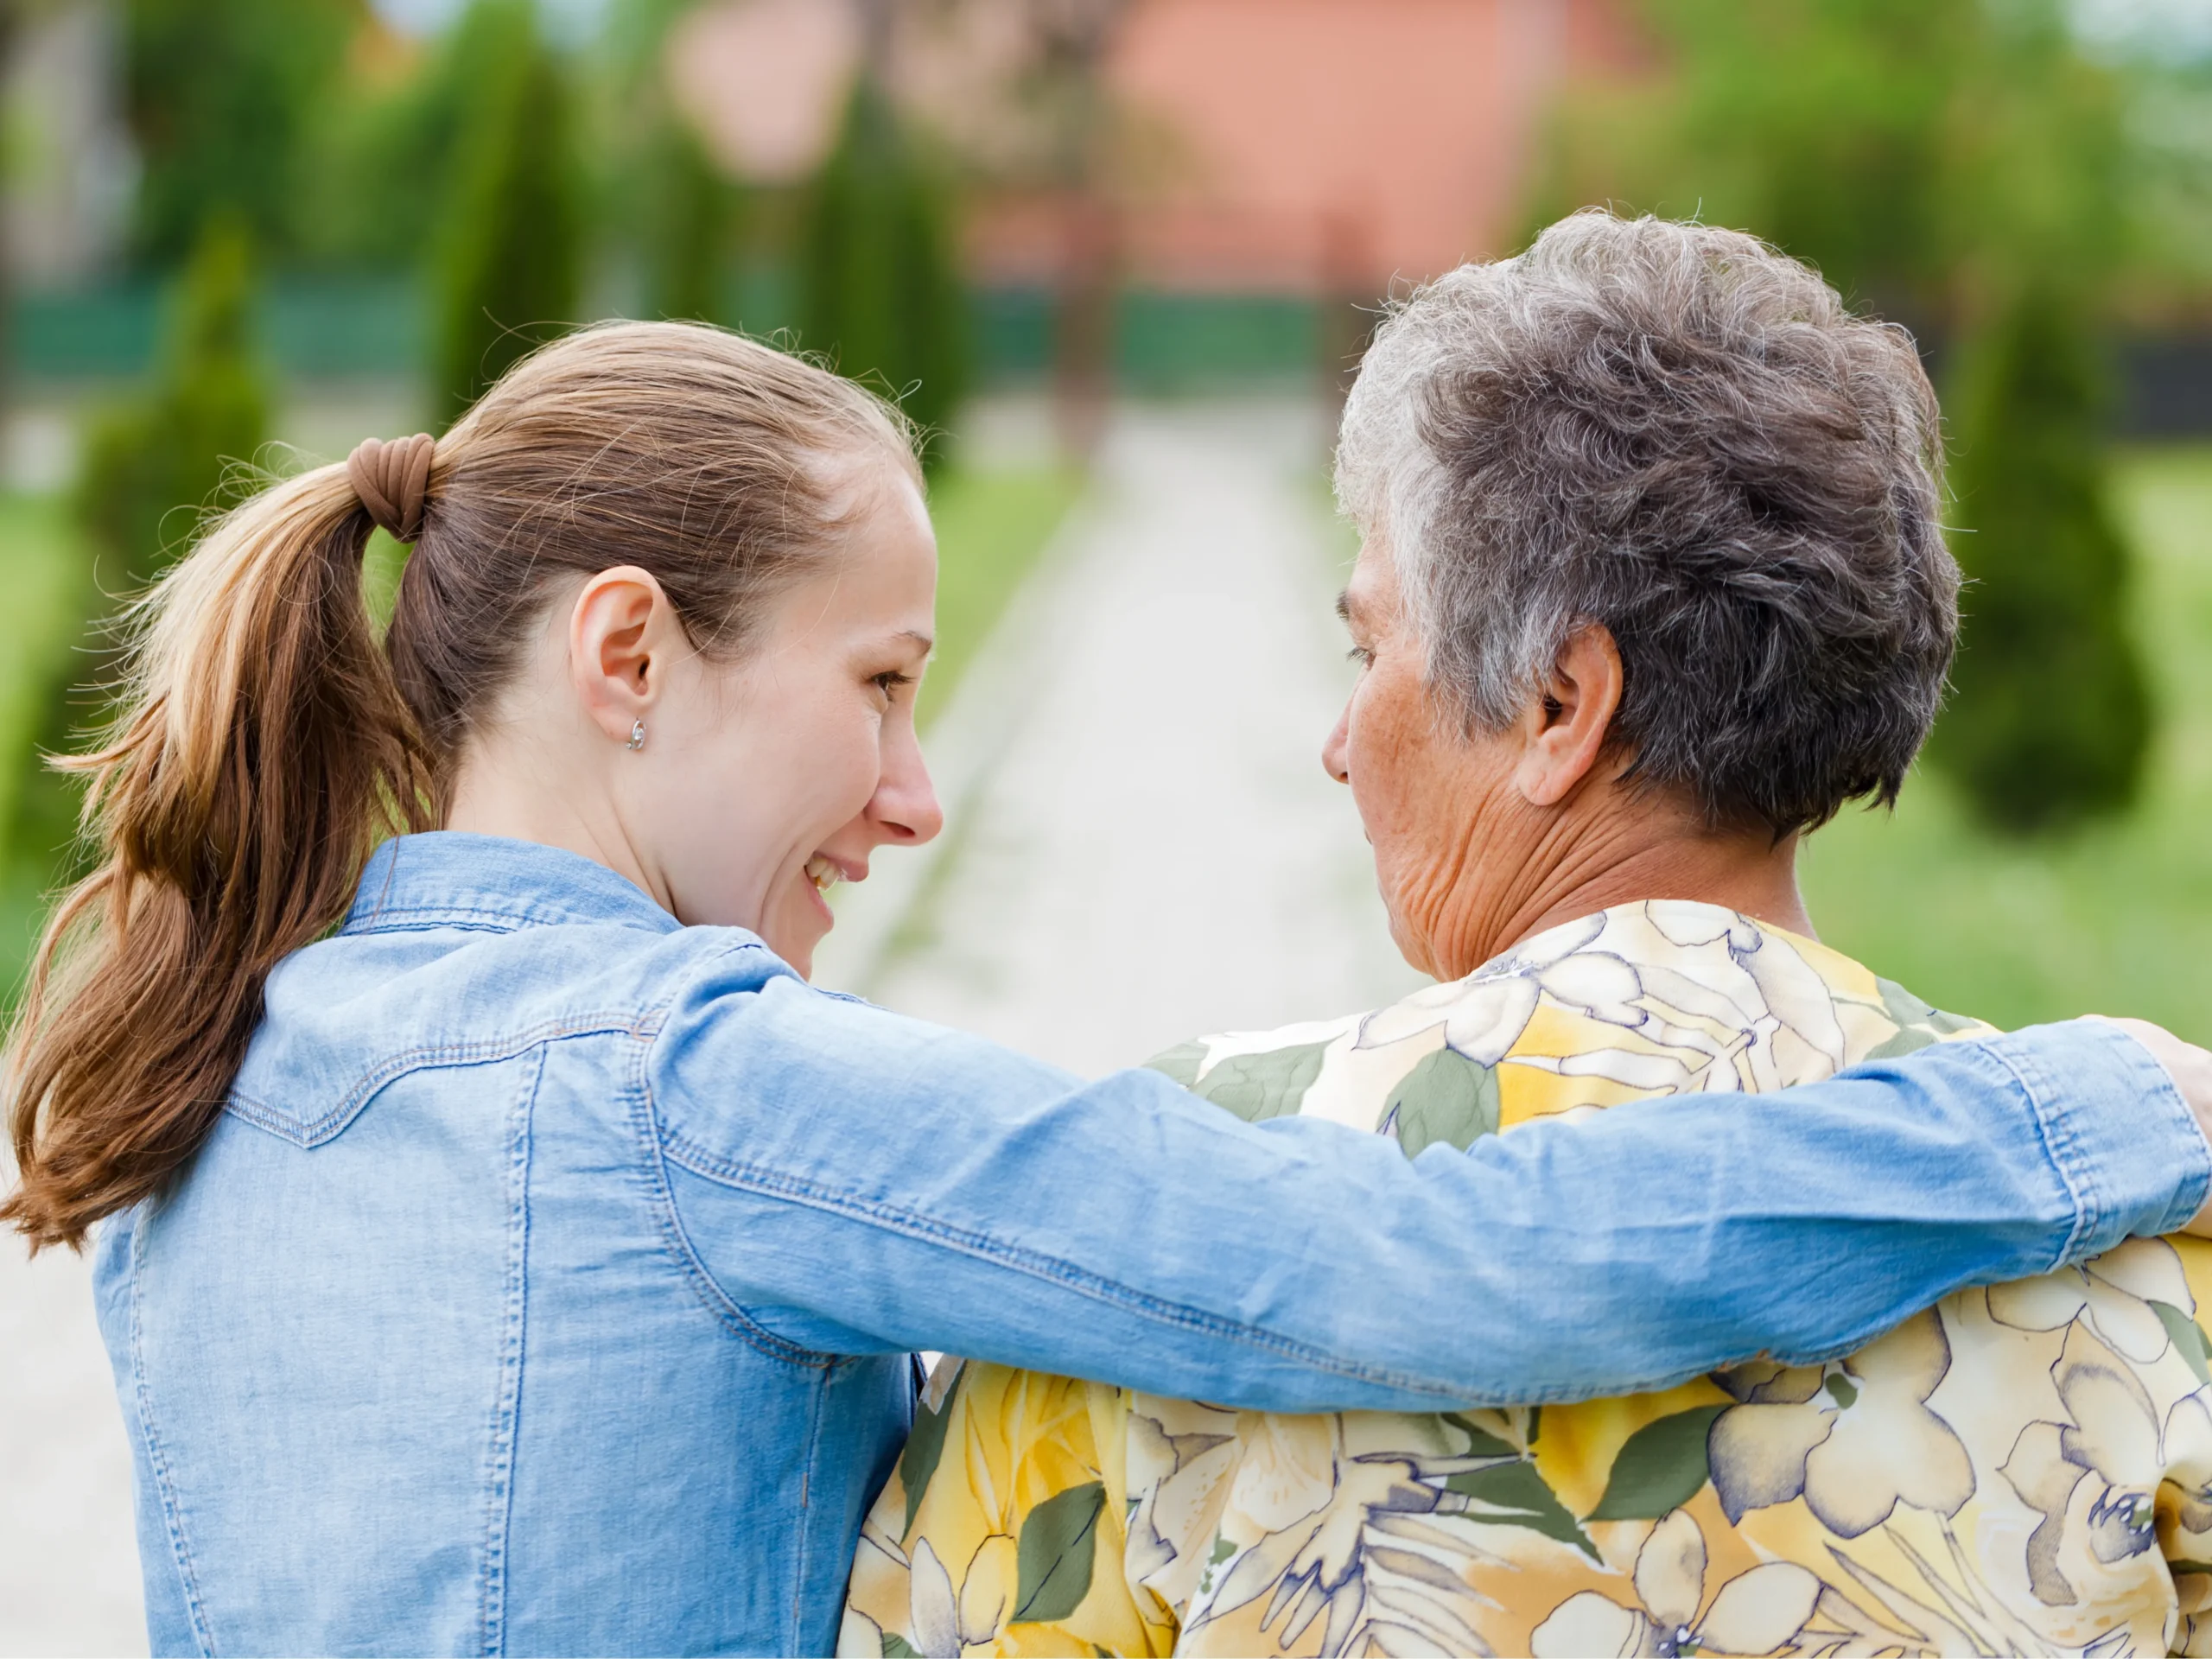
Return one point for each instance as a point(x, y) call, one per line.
point(2117, 920)
point(990, 528)
point(39, 567)
point(36, 561)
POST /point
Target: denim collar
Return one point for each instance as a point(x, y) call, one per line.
point(448, 878)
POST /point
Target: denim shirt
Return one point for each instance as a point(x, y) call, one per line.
point(549, 1283)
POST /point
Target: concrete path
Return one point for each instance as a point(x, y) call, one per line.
point(68, 1566)
point(1142, 844)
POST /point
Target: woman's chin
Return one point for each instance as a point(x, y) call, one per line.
point(800, 926)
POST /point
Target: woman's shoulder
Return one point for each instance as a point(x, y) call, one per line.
point(1654, 997)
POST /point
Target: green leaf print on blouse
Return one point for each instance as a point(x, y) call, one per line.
point(925, 1445)
point(1447, 1098)
point(1513, 1494)
point(1059, 1541)
point(1660, 1468)
point(1256, 1087)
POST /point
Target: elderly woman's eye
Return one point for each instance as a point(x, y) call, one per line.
point(1361, 654)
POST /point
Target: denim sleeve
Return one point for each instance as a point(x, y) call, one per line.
point(849, 1181)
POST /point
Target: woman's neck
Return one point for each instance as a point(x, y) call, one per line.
point(1758, 883)
point(1580, 869)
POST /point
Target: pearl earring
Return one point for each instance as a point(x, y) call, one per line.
point(637, 735)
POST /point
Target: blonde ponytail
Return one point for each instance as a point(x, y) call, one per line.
point(261, 749)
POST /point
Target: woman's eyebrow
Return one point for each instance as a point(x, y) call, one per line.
point(927, 644)
point(1345, 606)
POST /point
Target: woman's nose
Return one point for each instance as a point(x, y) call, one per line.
point(905, 805)
point(1335, 759)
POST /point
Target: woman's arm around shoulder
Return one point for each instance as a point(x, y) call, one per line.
point(857, 1181)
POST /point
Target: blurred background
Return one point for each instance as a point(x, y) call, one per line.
point(1119, 257)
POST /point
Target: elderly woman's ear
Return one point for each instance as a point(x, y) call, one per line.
point(1563, 732)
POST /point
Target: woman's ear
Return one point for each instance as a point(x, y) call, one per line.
point(620, 631)
point(1564, 731)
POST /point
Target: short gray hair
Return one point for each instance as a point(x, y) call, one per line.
point(1680, 434)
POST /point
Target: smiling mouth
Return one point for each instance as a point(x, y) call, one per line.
point(823, 872)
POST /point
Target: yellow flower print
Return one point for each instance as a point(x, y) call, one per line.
point(2120, 1295)
point(933, 1612)
point(2096, 1477)
point(1484, 1016)
point(1481, 1019)
point(1312, 1564)
point(945, 1624)
point(1756, 1611)
point(1854, 1442)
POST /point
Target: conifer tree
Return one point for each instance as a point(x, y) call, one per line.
point(2050, 718)
point(882, 292)
point(154, 470)
point(510, 267)
point(222, 96)
point(690, 220)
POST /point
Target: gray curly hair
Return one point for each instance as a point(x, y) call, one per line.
point(1681, 434)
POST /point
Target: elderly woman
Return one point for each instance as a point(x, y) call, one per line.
point(1652, 585)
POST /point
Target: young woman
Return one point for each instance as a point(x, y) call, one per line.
point(501, 1248)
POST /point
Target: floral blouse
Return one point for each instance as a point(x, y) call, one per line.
point(2023, 1469)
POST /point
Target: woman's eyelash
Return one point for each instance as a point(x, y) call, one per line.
point(1361, 654)
point(891, 679)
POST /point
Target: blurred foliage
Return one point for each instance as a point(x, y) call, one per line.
point(2168, 125)
point(222, 95)
point(1903, 146)
point(2118, 916)
point(881, 291)
point(41, 561)
point(2050, 719)
point(692, 220)
point(207, 409)
point(509, 265)
point(154, 470)
point(1930, 156)
point(387, 144)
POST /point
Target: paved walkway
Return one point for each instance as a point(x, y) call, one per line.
point(68, 1568)
point(1143, 846)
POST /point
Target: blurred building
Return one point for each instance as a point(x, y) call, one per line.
point(1259, 146)
point(1326, 146)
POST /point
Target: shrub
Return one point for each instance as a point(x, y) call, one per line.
point(220, 94)
point(881, 292)
point(152, 469)
point(2050, 718)
point(510, 268)
point(690, 218)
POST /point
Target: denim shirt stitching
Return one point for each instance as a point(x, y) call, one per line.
point(490, 1051)
point(492, 1602)
point(2056, 1130)
point(644, 1117)
point(438, 921)
point(793, 1642)
point(164, 1480)
point(704, 1162)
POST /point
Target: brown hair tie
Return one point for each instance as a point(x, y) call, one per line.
point(393, 480)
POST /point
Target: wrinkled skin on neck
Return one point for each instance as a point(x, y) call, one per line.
point(1485, 838)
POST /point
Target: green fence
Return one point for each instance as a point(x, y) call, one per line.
point(335, 329)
